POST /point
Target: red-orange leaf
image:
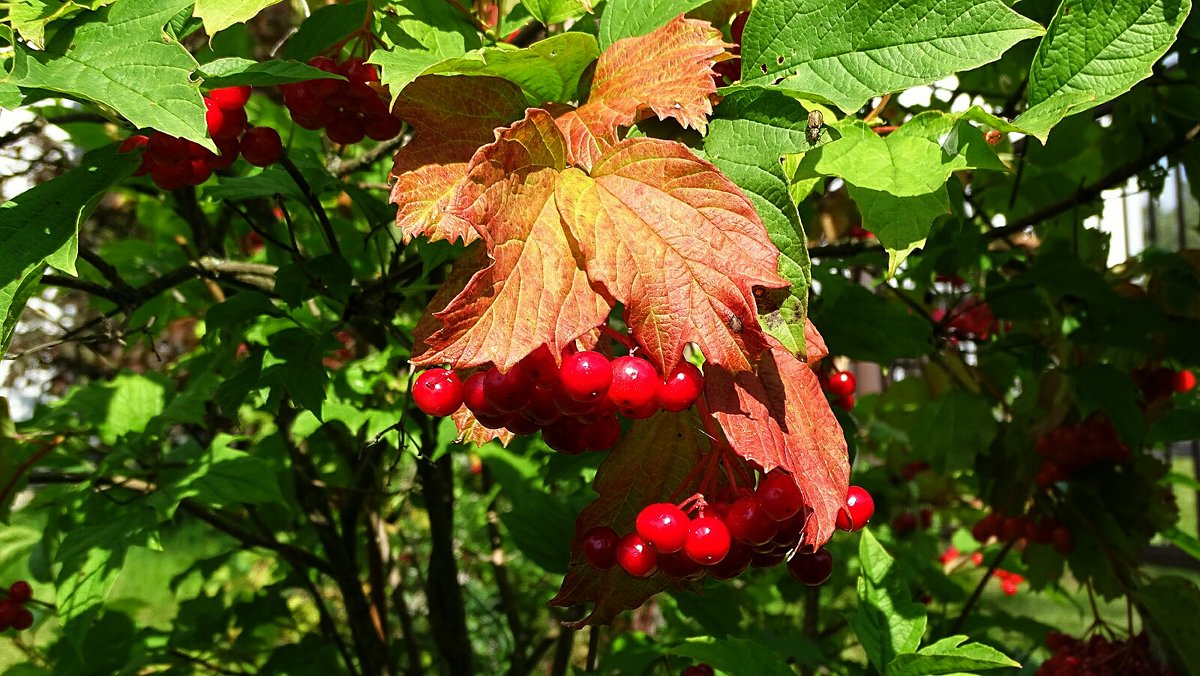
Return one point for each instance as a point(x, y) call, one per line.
point(470, 431)
point(646, 467)
point(779, 417)
point(668, 73)
point(451, 116)
point(535, 291)
point(674, 240)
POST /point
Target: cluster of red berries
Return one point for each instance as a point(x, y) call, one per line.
point(1010, 582)
point(348, 110)
point(13, 612)
point(175, 163)
point(758, 528)
point(1070, 449)
point(970, 320)
point(574, 404)
point(1044, 531)
point(841, 386)
point(1099, 656)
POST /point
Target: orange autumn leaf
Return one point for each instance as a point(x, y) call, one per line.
point(777, 416)
point(451, 117)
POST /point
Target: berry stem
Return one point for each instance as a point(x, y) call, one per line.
point(707, 419)
point(878, 109)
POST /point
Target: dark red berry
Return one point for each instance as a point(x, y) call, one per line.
point(842, 384)
point(519, 424)
point(507, 392)
point(664, 526)
point(171, 176)
point(749, 522)
point(229, 98)
point(585, 376)
point(698, 670)
point(231, 124)
point(681, 388)
point(23, 620)
point(261, 146)
point(438, 392)
point(602, 434)
point(229, 149)
point(735, 562)
point(474, 398)
point(167, 149)
point(541, 408)
point(634, 383)
point(860, 506)
point(600, 547)
point(565, 436)
point(707, 541)
point(1063, 541)
point(1012, 528)
point(738, 25)
point(20, 591)
point(381, 126)
point(345, 130)
point(636, 556)
point(8, 611)
point(679, 566)
point(780, 496)
point(769, 559)
point(541, 367)
point(812, 568)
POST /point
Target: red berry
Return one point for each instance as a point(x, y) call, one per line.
point(749, 522)
point(199, 171)
point(738, 25)
point(679, 566)
point(636, 556)
point(1063, 541)
point(346, 129)
point(790, 529)
point(664, 526)
point(780, 496)
point(519, 424)
point(230, 149)
point(438, 392)
point(473, 397)
point(585, 376)
point(171, 176)
point(541, 408)
point(768, 559)
point(507, 392)
point(541, 367)
point(707, 541)
point(602, 434)
point(135, 142)
point(214, 117)
point(167, 149)
point(811, 569)
point(23, 621)
point(1011, 528)
point(698, 670)
point(600, 547)
point(860, 506)
point(846, 403)
point(231, 124)
point(261, 146)
point(20, 591)
point(324, 87)
point(735, 562)
point(634, 383)
point(229, 98)
point(681, 388)
point(565, 436)
point(1184, 382)
point(8, 611)
point(642, 412)
point(381, 126)
point(842, 384)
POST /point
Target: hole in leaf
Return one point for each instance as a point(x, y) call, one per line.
point(763, 68)
point(779, 60)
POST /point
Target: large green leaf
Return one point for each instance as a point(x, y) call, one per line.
point(233, 71)
point(733, 655)
point(218, 15)
point(950, 655)
point(421, 35)
point(224, 476)
point(1094, 51)
point(631, 18)
point(133, 401)
point(121, 58)
point(891, 333)
point(847, 52)
point(900, 223)
point(324, 28)
point(556, 11)
point(13, 296)
point(548, 70)
point(30, 17)
point(887, 621)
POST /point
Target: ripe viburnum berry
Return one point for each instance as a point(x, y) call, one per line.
point(566, 436)
point(634, 383)
point(23, 620)
point(735, 562)
point(508, 392)
point(699, 669)
point(636, 556)
point(585, 376)
point(475, 399)
point(681, 388)
point(664, 526)
point(813, 568)
point(438, 392)
point(860, 506)
point(600, 547)
point(541, 367)
point(20, 591)
point(1184, 382)
point(261, 146)
point(749, 522)
point(8, 612)
point(842, 383)
point(679, 566)
point(780, 496)
point(229, 98)
point(707, 541)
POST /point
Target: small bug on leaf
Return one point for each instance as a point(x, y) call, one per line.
point(815, 121)
point(734, 323)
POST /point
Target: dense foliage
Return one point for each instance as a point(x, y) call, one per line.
point(361, 327)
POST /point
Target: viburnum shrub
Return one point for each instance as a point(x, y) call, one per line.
point(339, 335)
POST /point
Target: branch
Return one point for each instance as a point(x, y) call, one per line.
point(313, 201)
point(340, 167)
point(966, 610)
point(508, 599)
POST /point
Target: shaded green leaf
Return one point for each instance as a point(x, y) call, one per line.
point(556, 11)
point(950, 430)
point(887, 621)
point(233, 71)
point(224, 476)
point(631, 18)
point(733, 655)
point(1169, 605)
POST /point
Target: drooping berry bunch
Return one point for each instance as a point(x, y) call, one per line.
point(348, 110)
point(13, 613)
point(175, 163)
point(1069, 449)
point(1044, 531)
point(1099, 656)
point(574, 404)
point(841, 386)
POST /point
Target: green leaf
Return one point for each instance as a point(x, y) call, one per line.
point(218, 15)
point(891, 333)
point(302, 374)
point(873, 47)
point(888, 622)
point(239, 310)
point(631, 18)
point(121, 58)
point(900, 223)
point(733, 655)
point(950, 430)
point(548, 70)
point(30, 17)
point(421, 35)
point(1169, 605)
point(224, 476)
point(13, 296)
point(1186, 542)
point(949, 656)
point(556, 11)
point(1177, 424)
point(324, 28)
point(234, 71)
point(1104, 388)
point(1094, 51)
point(133, 401)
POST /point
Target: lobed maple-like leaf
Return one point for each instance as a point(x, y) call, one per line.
point(451, 117)
point(672, 238)
point(777, 416)
point(667, 73)
point(536, 290)
point(646, 467)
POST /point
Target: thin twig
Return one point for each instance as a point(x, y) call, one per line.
point(970, 604)
point(313, 201)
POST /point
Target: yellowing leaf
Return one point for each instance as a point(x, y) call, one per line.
point(451, 117)
point(779, 417)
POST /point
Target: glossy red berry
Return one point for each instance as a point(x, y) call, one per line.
point(261, 146)
point(167, 149)
point(8, 612)
point(812, 568)
point(135, 142)
point(680, 389)
point(1184, 382)
point(229, 98)
point(600, 547)
point(636, 556)
point(507, 392)
point(565, 436)
point(860, 507)
point(214, 117)
point(474, 398)
point(708, 540)
point(664, 526)
point(23, 620)
point(699, 669)
point(679, 566)
point(20, 591)
point(541, 367)
point(642, 412)
point(780, 496)
point(585, 376)
point(634, 383)
point(842, 383)
point(438, 392)
point(749, 522)
point(735, 562)
point(232, 123)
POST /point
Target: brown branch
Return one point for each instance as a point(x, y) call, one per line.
point(340, 167)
